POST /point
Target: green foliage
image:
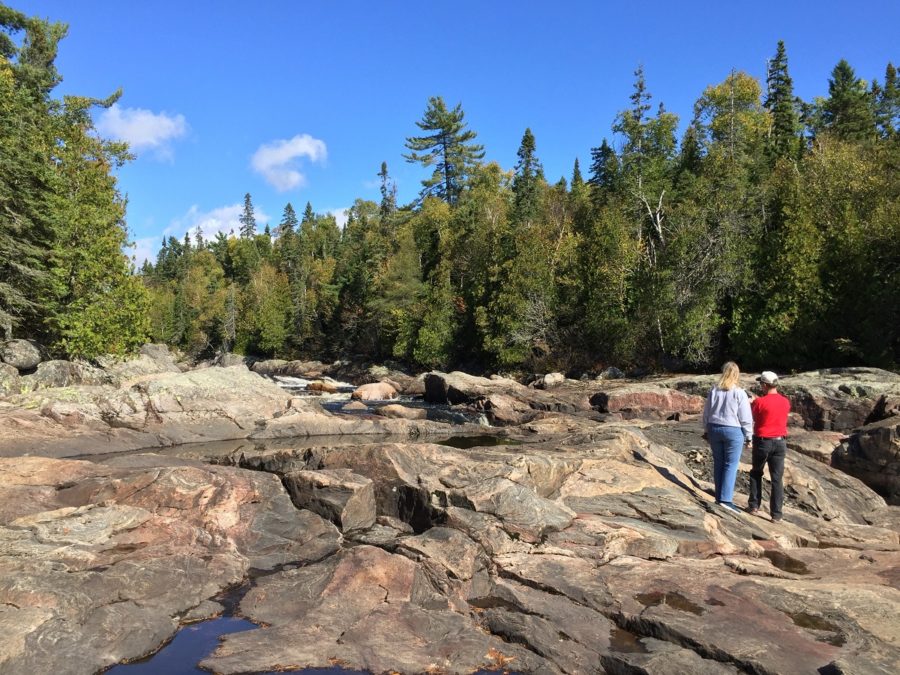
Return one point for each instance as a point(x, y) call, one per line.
point(64, 278)
point(784, 139)
point(448, 149)
point(848, 113)
point(743, 240)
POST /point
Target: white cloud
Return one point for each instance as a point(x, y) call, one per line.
point(277, 161)
point(144, 249)
point(142, 129)
point(340, 215)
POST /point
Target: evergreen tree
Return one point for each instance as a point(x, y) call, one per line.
point(289, 220)
point(848, 111)
point(604, 171)
point(309, 215)
point(784, 139)
point(449, 149)
point(577, 180)
point(887, 104)
point(529, 174)
point(247, 219)
point(388, 192)
point(64, 278)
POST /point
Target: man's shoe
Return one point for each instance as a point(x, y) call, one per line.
point(776, 519)
point(752, 510)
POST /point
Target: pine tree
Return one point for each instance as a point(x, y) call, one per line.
point(529, 174)
point(309, 216)
point(64, 278)
point(887, 103)
point(27, 228)
point(388, 192)
point(449, 149)
point(288, 220)
point(848, 111)
point(247, 219)
point(604, 170)
point(577, 180)
point(784, 139)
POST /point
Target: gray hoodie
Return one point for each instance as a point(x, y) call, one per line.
point(730, 408)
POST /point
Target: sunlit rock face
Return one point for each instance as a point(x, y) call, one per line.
point(573, 539)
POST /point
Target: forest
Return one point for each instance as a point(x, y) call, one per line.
point(762, 227)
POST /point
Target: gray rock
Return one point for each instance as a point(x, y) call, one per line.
point(100, 563)
point(9, 380)
point(20, 354)
point(343, 497)
point(54, 374)
point(872, 454)
point(550, 380)
point(364, 609)
point(228, 359)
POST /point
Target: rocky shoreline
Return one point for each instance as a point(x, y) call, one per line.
point(583, 539)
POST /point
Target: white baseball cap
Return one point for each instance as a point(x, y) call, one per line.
point(767, 377)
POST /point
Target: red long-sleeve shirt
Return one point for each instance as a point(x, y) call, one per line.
point(770, 414)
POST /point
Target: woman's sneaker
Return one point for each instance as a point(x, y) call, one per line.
point(730, 506)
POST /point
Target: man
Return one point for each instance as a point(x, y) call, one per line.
point(770, 413)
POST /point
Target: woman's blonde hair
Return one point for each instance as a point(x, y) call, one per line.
point(730, 375)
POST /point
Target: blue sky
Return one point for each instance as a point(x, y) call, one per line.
point(302, 101)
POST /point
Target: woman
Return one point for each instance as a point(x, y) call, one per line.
point(729, 424)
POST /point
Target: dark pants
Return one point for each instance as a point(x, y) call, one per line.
point(768, 451)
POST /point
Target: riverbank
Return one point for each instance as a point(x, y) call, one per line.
point(578, 532)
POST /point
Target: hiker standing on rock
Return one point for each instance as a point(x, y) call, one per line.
point(770, 413)
point(728, 424)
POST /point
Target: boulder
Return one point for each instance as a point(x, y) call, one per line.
point(304, 369)
point(228, 359)
point(841, 399)
point(550, 380)
point(376, 391)
point(153, 359)
point(457, 387)
point(504, 410)
point(872, 454)
point(816, 444)
point(402, 412)
point(20, 354)
point(323, 386)
point(341, 496)
point(355, 406)
point(647, 400)
point(54, 374)
point(9, 380)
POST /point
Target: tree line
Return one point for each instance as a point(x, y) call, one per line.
point(64, 279)
point(766, 231)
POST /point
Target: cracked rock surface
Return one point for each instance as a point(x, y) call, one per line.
point(587, 543)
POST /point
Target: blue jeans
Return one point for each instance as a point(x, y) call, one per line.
point(726, 444)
